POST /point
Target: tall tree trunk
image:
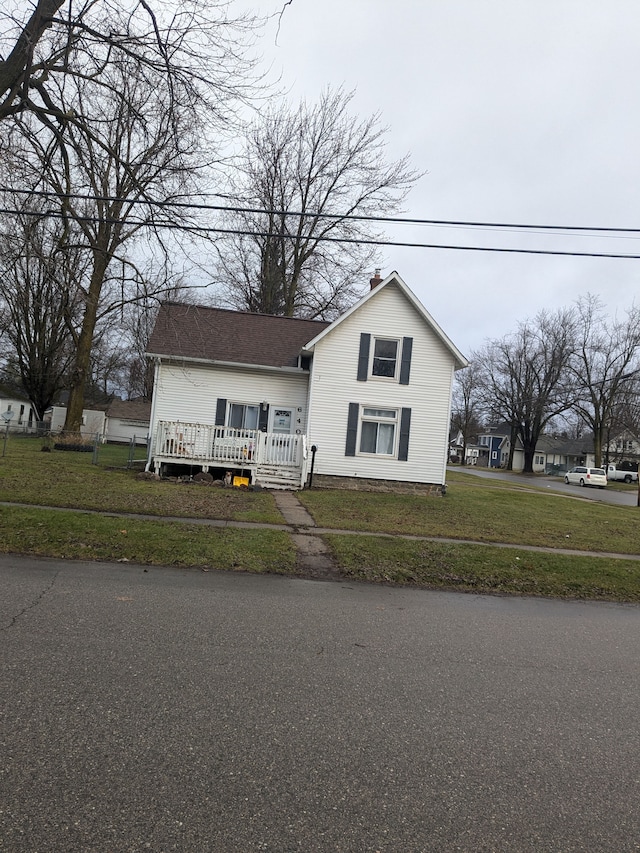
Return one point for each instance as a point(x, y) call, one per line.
point(82, 361)
point(597, 446)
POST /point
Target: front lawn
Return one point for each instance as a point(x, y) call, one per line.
point(485, 568)
point(80, 536)
point(67, 479)
point(483, 511)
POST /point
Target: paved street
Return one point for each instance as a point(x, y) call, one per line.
point(628, 497)
point(172, 710)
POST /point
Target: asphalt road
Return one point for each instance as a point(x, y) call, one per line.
point(177, 710)
point(628, 497)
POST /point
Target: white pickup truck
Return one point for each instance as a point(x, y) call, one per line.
point(614, 473)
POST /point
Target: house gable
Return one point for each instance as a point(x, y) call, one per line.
point(388, 420)
point(394, 280)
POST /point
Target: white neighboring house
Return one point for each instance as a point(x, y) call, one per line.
point(24, 415)
point(128, 420)
point(254, 394)
point(93, 421)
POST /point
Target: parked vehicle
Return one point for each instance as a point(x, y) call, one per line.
point(583, 476)
point(614, 473)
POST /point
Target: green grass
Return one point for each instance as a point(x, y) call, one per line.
point(494, 512)
point(66, 479)
point(74, 535)
point(485, 511)
point(486, 569)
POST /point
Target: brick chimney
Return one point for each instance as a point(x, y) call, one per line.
point(375, 281)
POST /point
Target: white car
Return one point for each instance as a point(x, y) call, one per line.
point(583, 476)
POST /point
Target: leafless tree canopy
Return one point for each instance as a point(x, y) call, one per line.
point(119, 107)
point(604, 368)
point(524, 377)
point(467, 407)
point(38, 305)
point(321, 162)
point(194, 45)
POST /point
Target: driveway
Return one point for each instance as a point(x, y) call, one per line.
point(166, 710)
point(557, 484)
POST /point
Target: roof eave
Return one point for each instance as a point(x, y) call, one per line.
point(179, 359)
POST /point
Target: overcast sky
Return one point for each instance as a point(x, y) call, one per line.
point(518, 112)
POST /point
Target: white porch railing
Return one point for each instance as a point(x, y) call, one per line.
point(220, 445)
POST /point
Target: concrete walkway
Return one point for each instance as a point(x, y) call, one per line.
point(314, 557)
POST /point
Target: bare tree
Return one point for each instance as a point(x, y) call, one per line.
point(17, 69)
point(114, 132)
point(525, 377)
point(467, 405)
point(308, 173)
point(606, 359)
point(38, 308)
point(137, 324)
point(200, 46)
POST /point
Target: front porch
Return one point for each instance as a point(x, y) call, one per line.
point(272, 460)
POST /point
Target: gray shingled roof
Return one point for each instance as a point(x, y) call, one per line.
point(216, 334)
point(134, 410)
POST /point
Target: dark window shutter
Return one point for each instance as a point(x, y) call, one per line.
point(405, 427)
point(221, 411)
point(405, 364)
point(352, 429)
point(363, 357)
point(263, 418)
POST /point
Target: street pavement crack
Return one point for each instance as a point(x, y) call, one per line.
point(32, 605)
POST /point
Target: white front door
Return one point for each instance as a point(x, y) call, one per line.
point(281, 420)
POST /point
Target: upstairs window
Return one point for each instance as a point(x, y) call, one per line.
point(385, 358)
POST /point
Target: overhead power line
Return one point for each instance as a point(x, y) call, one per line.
point(395, 220)
point(196, 229)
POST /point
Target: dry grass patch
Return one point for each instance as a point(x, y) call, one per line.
point(486, 569)
point(497, 513)
point(64, 479)
point(74, 535)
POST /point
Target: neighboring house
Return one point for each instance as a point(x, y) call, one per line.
point(23, 413)
point(552, 455)
point(364, 399)
point(457, 447)
point(93, 421)
point(128, 420)
point(555, 455)
point(623, 447)
point(493, 446)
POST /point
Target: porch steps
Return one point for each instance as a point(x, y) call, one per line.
point(276, 477)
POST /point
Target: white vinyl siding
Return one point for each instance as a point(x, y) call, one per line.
point(189, 393)
point(334, 385)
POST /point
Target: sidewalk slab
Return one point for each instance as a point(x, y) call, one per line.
point(292, 510)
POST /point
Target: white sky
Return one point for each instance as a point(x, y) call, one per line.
point(524, 112)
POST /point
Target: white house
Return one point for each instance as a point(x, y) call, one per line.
point(363, 401)
point(23, 415)
point(93, 421)
point(127, 420)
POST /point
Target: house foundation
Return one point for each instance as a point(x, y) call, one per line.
point(364, 484)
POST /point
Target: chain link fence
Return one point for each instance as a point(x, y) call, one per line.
point(116, 452)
